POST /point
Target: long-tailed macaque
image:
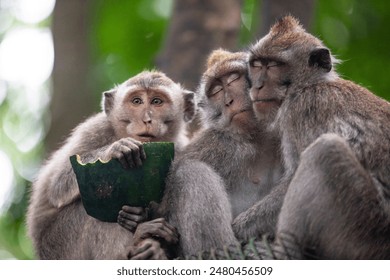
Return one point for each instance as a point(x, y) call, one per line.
point(335, 138)
point(215, 186)
point(147, 107)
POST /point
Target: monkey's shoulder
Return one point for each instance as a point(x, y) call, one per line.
point(329, 98)
point(95, 132)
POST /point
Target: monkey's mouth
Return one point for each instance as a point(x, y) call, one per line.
point(146, 137)
point(246, 109)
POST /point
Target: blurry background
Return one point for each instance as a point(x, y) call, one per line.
point(56, 57)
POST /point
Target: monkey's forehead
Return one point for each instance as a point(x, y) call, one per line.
point(225, 67)
point(171, 89)
point(149, 79)
point(284, 45)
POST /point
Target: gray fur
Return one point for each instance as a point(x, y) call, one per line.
point(215, 185)
point(335, 138)
point(57, 222)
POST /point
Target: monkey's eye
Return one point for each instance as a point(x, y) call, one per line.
point(274, 64)
point(256, 63)
point(233, 77)
point(137, 101)
point(156, 101)
point(215, 90)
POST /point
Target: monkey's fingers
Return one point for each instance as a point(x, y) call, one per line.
point(142, 152)
point(135, 210)
point(137, 218)
point(166, 234)
point(122, 156)
point(154, 210)
point(141, 148)
point(166, 224)
point(149, 250)
point(127, 154)
point(127, 224)
point(141, 252)
point(158, 230)
point(134, 155)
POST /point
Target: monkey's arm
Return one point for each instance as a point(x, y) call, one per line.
point(57, 180)
point(261, 218)
point(128, 151)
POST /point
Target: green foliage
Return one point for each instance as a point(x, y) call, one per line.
point(356, 33)
point(125, 38)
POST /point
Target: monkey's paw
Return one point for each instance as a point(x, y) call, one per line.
point(148, 249)
point(129, 217)
point(128, 151)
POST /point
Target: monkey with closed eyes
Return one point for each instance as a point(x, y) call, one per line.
point(215, 184)
point(335, 138)
point(147, 107)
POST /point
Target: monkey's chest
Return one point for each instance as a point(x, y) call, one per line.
point(245, 193)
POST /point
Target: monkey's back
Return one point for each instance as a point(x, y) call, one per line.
point(344, 108)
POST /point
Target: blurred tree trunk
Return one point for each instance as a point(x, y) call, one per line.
point(198, 27)
point(271, 10)
point(71, 101)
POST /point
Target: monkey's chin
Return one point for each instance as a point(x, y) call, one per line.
point(243, 121)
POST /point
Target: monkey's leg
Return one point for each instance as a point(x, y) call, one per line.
point(198, 206)
point(331, 206)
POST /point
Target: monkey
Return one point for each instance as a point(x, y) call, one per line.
point(147, 107)
point(214, 185)
point(335, 142)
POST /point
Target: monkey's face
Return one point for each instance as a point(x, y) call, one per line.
point(149, 107)
point(270, 81)
point(229, 105)
point(286, 60)
point(148, 115)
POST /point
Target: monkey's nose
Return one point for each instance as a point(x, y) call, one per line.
point(229, 102)
point(147, 119)
point(228, 99)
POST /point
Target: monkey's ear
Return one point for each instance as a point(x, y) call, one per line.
point(321, 58)
point(108, 100)
point(189, 105)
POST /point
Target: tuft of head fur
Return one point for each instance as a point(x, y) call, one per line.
point(219, 60)
point(286, 24)
point(221, 55)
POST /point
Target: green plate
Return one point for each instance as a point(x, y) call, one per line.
point(106, 186)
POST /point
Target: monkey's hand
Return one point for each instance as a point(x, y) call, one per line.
point(148, 249)
point(261, 218)
point(128, 151)
point(129, 217)
point(157, 229)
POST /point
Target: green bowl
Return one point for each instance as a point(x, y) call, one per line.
point(106, 186)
